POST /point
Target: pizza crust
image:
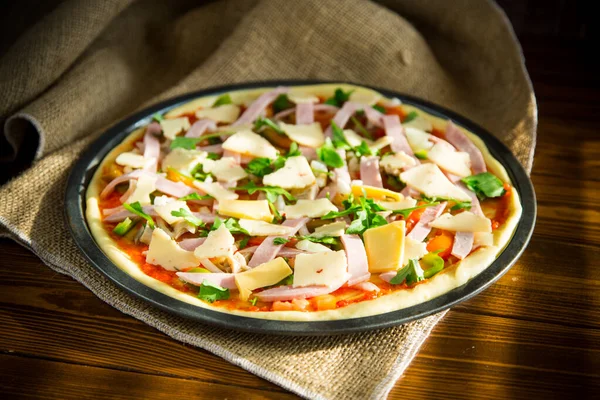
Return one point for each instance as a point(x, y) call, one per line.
point(443, 282)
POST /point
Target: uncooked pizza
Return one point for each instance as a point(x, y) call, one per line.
point(302, 203)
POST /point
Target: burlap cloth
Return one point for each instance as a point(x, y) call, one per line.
point(87, 64)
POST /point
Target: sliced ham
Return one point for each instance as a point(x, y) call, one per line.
point(191, 244)
point(475, 205)
point(388, 276)
point(130, 190)
point(199, 127)
point(206, 263)
point(459, 140)
point(152, 146)
point(269, 250)
point(258, 106)
point(374, 117)
point(366, 286)
point(285, 293)
point(463, 244)
point(206, 218)
point(284, 252)
point(308, 152)
point(213, 148)
point(420, 231)
point(369, 171)
point(393, 128)
point(358, 265)
point(330, 190)
point(451, 177)
point(305, 113)
point(175, 189)
point(342, 117)
point(123, 213)
point(221, 279)
point(316, 108)
point(108, 189)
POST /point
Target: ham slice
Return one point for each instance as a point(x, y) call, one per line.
point(343, 115)
point(130, 190)
point(152, 146)
point(108, 189)
point(213, 148)
point(308, 152)
point(374, 117)
point(258, 106)
point(475, 205)
point(316, 108)
point(367, 287)
point(330, 190)
point(358, 265)
point(420, 231)
point(269, 250)
point(284, 252)
point(305, 113)
point(463, 244)
point(206, 218)
point(222, 279)
point(123, 213)
point(199, 127)
point(175, 189)
point(393, 128)
point(232, 154)
point(285, 293)
point(459, 140)
point(369, 171)
point(206, 263)
point(191, 244)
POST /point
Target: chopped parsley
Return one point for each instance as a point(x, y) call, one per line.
point(411, 273)
point(231, 224)
point(213, 156)
point(339, 97)
point(188, 217)
point(324, 240)
point(136, 208)
point(421, 154)
point(195, 196)
point(282, 102)
point(410, 116)
point(461, 205)
point(280, 240)
point(379, 108)
point(244, 243)
point(222, 100)
point(263, 121)
point(485, 185)
point(407, 211)
point(211, 292)
point(361, 128)
point(271, 192)
point(329, 156)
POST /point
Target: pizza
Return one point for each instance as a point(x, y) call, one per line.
point(301, 203)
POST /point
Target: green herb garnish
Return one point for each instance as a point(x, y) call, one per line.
point(411, 273)
point(253, 301)
point(124, 226)
point(421, 154)
point(184, 143)
point(222, 100)
point(260, 166)
point(410, 116)
point(406, 211)
point(339, 138)
point(211, 293)
point(244, 243)
point(280, 240)
point(263, 121)
point(199, 174)
point(271, 192)
point(282, 102)
point(136, 208)
point(339, 97)
point(361, 128)
point(379, 108)
point(324, 240)
point(157, 117)
point(485, 185)
point(329, 156)
point(461, 205)
point(231, 224)
point(188, 217)
point(434, 264)
point(195, 196)
point(213, 156)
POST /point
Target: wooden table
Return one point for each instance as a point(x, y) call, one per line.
point(534, 334)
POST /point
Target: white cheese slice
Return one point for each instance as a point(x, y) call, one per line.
point(365, 96)
point(381, 143)
point(464, 222)
point(407, 202)
point(394, 163)
point(133, 160)
point(311, 247)
point(165, 252)
point(354, 139)
point(320, 171)
point(164, 210)
point(218, 243)
point(266, 274)
point(225, 169)
point(309, 135)
point(249, 143)
point(309, 208)
point(216, 190)
point(482, 239)
point(262, 228)
point(417, 139)
point(413, 249)
point(247, 209)
point(298, 97)
point(335, 229)
point(321, 269)
point(145, 185)
point(455, 162)
point(172, 127)
point(295, 174)
point(183, 160)
point(419, 123)
point(429, 180)
point(227, 113)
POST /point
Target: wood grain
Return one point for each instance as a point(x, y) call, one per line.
point(533, 334)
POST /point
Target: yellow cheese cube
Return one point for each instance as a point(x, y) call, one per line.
point(266, 274)
point(248, 209)
point(385, 246)
point(375, 193)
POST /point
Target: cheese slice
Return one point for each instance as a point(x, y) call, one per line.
point(183, 160)
point(227, 113)
point(145, 185)
point(394, 163)
point(133, 160)
point(420, 123)
point(216, 190)
point(164, 210)
point(335, 229)
point(354, 139)
point(295, 174)
point(225, 169)
point(455, 162)
point(381, 143)
point(482, 239)
point(218, 243)
point(429, 180)
point(309, 135)
point(365, 96)
point(385, 247)
point(309, 208)
point(321, 269)
point(262, 228)
point(407, 202)
point(464, 222)
point(298, 97)
point(247, 209)
point(413, 249)
point(249, 143)
point(311, 247)
point(165, 252)
point(172, 127)
point(266, 274)
point(376, 193)
point(417, 138)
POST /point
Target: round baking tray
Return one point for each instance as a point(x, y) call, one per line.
point(88, 162)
